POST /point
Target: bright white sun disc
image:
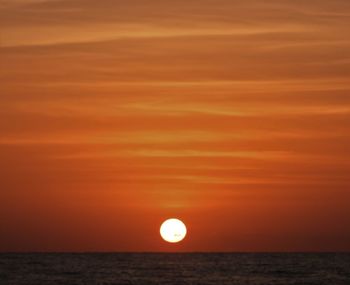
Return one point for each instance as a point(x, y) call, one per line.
point(173, 230)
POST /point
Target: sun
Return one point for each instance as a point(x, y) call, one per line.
point(173, 230)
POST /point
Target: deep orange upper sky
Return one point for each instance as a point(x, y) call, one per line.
point(230, 115)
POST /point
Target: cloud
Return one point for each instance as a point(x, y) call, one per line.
point(55, 22)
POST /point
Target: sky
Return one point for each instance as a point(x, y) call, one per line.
point(232, 116)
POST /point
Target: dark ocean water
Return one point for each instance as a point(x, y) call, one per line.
point(164, 268)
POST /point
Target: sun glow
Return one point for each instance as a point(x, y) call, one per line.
point(173, 230)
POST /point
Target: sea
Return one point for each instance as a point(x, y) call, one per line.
point(174, 268)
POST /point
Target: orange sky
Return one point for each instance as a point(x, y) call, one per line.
point(230, 115)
